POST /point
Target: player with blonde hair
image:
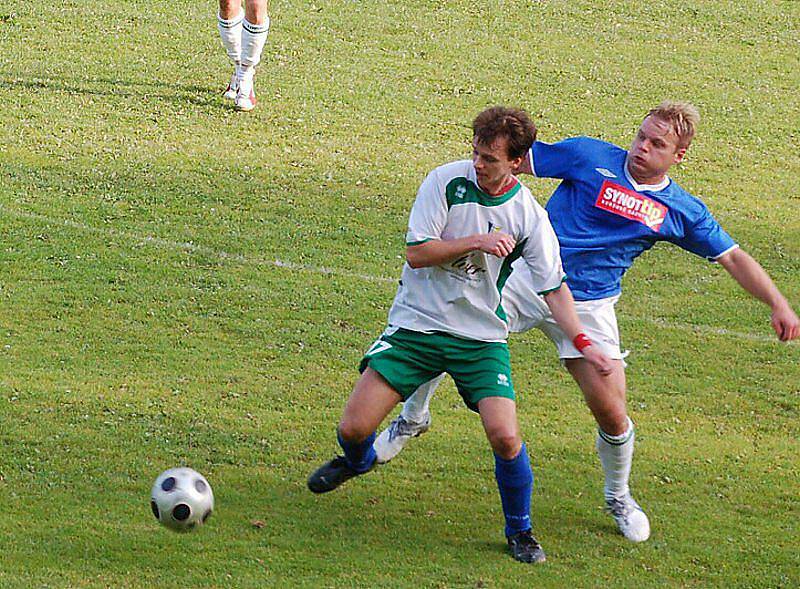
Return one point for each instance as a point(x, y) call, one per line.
point(611, 206)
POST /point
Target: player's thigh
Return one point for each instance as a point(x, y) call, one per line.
point(480, 370)
point(371, 400)
point(405, 359)
point(605, 395)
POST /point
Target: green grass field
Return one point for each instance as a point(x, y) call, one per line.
point(183, 284)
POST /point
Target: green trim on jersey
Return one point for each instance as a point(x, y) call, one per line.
point(420, 242)
point(548, 291)
point(505, 272)
point(461, 191)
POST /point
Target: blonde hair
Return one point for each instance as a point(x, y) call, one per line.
point(683, 116)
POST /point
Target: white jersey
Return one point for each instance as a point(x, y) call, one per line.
point(464, 297)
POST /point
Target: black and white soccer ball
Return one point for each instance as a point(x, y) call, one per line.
point(181, 499)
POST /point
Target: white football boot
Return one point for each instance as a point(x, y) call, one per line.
point(233, 86)
point(394, 438)
point(245, 96)
point(631, 519)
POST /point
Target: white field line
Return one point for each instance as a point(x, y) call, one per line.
point(188, 246)
point(708, 330)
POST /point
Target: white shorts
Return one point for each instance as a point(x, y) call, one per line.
point(527, 310)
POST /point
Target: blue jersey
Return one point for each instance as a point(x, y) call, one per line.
point(604, 219)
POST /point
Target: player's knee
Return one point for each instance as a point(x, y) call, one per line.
point(614, 423)
point(353, 430)
point(505, 443)
point(230, 7)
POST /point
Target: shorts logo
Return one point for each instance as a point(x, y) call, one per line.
point(631, 205)
point(379, 346)
point(502, 379)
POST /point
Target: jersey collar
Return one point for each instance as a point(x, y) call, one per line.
point(509, 190)
point(645, 187)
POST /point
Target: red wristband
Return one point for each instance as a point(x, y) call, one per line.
point(581, 342)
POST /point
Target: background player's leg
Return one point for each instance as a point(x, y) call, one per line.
point(414, 419)
point(416, 409)
point(229, 24)
point(254, 36)
point(605, 397)
point(513, 474)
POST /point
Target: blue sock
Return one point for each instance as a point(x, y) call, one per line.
point(359, 455)
point(515, 482)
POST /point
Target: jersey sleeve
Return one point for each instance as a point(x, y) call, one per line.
point(541, 253)
point(429, 213)
point(558, 160)
point(705, 237)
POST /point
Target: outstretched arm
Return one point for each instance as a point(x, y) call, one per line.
point(754, 279)
point(562, 306)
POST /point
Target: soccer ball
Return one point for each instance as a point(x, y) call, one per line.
point(181, 499)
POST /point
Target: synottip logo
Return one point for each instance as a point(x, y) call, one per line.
point(631, 205)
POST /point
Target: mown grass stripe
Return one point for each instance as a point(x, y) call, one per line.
point(257, 261)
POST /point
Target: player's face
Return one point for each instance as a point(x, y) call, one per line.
point(653, 151)
point(492, 165)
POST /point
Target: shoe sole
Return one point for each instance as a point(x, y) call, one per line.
point(321, 490)
point(534, 561)
point(541, 558)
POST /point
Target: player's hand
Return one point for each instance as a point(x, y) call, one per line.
point(785, 323)
point(595, 356)
point(497, 243)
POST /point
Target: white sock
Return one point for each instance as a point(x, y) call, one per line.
point(415, 409)
point(231, 33)
point(253, 39)
point(616, 456)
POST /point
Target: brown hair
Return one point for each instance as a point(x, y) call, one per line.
point(683, 116)
point(512, 123)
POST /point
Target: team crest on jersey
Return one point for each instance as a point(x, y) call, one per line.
point(631, 205)
point(461, 191)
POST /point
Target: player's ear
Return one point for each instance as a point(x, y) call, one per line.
point(679, 155)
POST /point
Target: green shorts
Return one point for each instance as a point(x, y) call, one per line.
point(408, 359)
